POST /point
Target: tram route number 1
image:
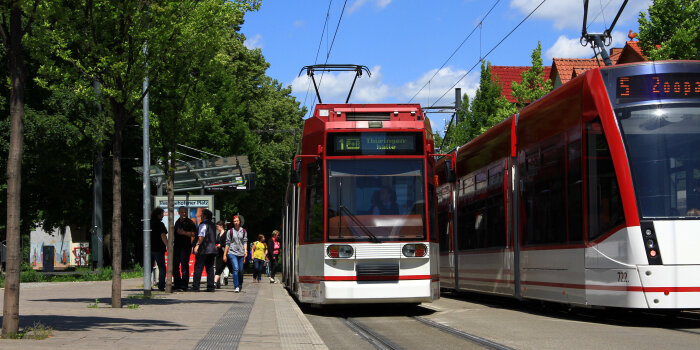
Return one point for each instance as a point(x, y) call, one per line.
point(622, 276)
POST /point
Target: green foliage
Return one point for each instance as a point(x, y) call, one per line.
point(94, 305)
point(207, 91)
point(487, 109)
point(671, 31)
point(38, 331)
point(28, 275)
point(533, 85)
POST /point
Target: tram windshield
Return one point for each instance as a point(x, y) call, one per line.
point(663, 146)
point(376, 200)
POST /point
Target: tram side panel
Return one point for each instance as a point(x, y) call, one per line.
point(482, 246)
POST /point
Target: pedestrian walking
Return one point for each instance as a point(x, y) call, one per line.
point(259, 257)
point(185, 232)
point(159, 240)
point(273, 250)
point(236, 251)
point(205, 252)
point(221, 260)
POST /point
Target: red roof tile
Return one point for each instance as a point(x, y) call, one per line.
point(506, 75)
point(566, 67)
point(632, 53)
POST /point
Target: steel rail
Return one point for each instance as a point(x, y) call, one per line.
point(464, 335)
point(373, 338)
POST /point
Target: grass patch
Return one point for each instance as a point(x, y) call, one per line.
point(38, 331)
point(81, 274)
point(133, 306)
point(95, 305)
point(143, 296)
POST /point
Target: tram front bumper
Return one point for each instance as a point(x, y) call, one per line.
point(359, 292)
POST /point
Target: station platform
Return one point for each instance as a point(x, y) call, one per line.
point(262, 316)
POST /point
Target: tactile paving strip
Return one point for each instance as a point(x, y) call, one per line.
point(226, 333)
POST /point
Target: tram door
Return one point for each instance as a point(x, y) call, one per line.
point(446, 232)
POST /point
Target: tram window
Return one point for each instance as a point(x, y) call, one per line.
point(482, 216)
point(544, 194)
point(662, 143)
point(443, 231)
point(314, 203)
point(575, 188)
point(605, 210)
point(433, 231)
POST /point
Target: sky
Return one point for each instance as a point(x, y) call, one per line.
point(418, 51)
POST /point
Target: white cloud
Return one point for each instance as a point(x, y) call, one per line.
point(334, 89)
point(569, 13)
point(253, 43)
point(571, 47)
point(357, 4)
point(439, 85)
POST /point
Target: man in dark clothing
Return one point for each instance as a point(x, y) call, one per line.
point(185, 231)
point(205, 252)
point(159, 240)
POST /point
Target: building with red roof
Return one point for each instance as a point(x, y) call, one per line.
point(565, 69)
point(506, 75)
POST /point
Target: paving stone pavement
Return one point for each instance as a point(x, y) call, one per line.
point(262, 316)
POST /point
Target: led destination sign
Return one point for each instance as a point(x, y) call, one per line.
point(646, 87)
point(374, 143)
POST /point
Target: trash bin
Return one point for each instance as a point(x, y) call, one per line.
point(48, 258)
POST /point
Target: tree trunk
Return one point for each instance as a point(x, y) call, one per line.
point(13, 45)
point(119, 123)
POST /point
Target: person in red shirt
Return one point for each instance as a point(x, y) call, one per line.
point(273, 251)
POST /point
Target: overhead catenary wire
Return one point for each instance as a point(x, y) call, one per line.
point(488, 53)
point(330, 48)
point(478, 25)
point(320, 41)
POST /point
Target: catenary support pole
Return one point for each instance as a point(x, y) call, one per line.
point(147, 283)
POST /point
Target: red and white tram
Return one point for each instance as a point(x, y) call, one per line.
point(356, 225)
point(590, 196)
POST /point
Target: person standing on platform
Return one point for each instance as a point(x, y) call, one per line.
point(259, 257)
point(185, 231)
point(205, 252)
point(159, 240)
point(221, 260)
point(236, 251)
point(273, 250)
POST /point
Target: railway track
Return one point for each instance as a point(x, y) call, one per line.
point(383, 342)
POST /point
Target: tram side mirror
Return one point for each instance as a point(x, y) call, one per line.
point(449, 171)
point(296, 171)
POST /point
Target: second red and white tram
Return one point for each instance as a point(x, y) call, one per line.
point(359, 217)
point(590, 196)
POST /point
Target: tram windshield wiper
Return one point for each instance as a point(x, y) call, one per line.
point(359, 224)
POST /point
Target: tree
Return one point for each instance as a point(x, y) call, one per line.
point(672, 30)
point(487, 109)
point(533, 85)
point(12, 36)
point(190, 58)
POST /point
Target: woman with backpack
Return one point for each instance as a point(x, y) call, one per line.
point(236, 251)
point(259, 257)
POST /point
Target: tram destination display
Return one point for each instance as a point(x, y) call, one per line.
point(637, 88)
point(374, 143)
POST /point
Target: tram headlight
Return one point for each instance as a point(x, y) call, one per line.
point(650, 243)
point(414, 250)
point(339, 251)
